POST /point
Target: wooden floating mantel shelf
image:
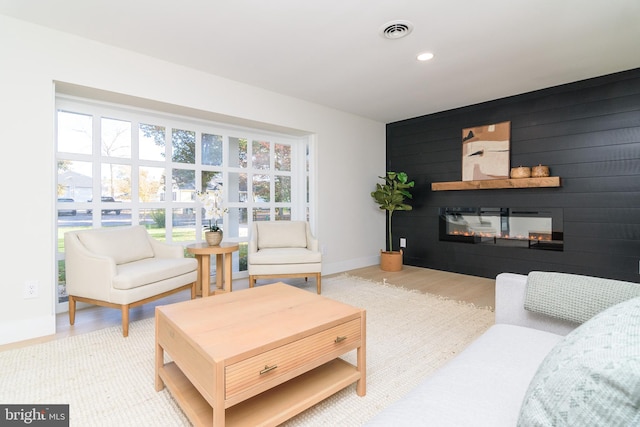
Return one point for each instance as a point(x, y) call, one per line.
point(548, 181)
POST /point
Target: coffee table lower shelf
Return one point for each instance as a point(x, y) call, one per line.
point(269, 408)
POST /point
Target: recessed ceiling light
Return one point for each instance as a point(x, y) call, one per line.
point(425, 56)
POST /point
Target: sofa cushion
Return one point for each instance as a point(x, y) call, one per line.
point(592, 377)
point(574, 297)
point(282, 234)
point(123, 244)
point(148, 271)
point(483, 386)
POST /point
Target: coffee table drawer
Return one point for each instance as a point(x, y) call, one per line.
point(273, 365)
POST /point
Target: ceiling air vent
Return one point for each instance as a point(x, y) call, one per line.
point(396, 29)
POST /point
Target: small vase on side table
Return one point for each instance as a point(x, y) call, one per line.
point(213, 238)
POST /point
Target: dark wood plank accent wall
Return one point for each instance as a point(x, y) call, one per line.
point(587, 132)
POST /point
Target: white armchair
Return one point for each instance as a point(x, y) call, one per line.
point(283, 249)
point(123, 267)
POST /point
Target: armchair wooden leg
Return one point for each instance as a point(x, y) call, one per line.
point(194, 289)
point(252, 281)
point(318, 284)
point(125, 320)
point(72, 310)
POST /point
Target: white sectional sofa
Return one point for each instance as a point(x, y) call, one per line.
point(538, 366)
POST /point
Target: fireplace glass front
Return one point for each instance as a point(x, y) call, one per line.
point(532, 228)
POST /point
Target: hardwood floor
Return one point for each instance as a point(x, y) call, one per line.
point(476, 290)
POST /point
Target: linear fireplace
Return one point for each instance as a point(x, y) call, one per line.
point(532, 228)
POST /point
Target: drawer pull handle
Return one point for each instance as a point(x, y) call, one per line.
point(268, 368)
point(339, 339)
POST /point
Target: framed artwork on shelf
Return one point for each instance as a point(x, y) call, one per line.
point(485, 152)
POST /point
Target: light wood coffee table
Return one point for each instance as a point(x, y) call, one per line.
point(258, 356)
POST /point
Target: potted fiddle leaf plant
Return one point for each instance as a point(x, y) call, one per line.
point(391, 196)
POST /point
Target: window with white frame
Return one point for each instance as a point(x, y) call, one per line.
point(120, 165)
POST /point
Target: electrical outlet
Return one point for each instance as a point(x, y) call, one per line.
point(31, 289)
point(323, 249)
point(403, 242)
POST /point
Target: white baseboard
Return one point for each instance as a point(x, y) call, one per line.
point(339, 267)
point(26, 329)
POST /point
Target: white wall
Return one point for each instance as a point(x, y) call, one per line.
point(350, 155)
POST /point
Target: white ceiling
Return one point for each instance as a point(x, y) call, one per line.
point(330, 51)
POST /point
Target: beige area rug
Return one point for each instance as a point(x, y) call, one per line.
point(108, 380)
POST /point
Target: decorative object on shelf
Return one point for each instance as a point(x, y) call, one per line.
point(391, 196)
point(485, 152)
point(521, 172)
point(539, 171)
point(213, 211)
point(213, 238)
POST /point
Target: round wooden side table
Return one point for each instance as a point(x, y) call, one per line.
point(224, 256)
